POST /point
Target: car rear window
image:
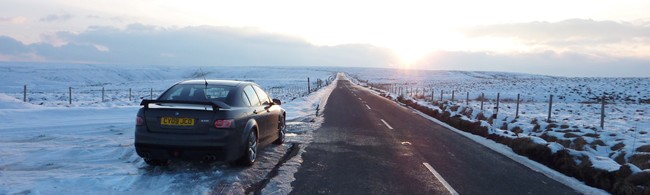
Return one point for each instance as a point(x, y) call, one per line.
point(197, 92)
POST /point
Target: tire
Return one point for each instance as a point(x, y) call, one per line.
point(250, 153)
point(282, 131)
point(156, 162)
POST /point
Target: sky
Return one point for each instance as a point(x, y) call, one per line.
point(554, 37)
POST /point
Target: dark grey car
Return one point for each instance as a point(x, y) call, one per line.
point(213, 120)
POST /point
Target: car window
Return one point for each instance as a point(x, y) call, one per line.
point(244, 99)
point(252, 96)
point(262, 95)
point(172, 94)
point(217, 92)
point(196, 92)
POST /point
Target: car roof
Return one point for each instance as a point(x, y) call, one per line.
point(216, 82)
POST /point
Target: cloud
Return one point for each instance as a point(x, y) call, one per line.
point(13, 20)
point(56, 18)
point(608, 38)
point(111, 19)
point(201, 45)
point(14, 50)
point(10, 46)
point(573, 31)
point(574, 47)
point(544, 62)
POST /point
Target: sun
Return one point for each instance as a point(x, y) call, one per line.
point(409, 57)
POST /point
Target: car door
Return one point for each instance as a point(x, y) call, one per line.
point(270, 115)
point(258, 110)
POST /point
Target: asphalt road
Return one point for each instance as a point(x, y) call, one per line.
point(370, 145)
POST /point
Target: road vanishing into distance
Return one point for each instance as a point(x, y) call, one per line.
point(371, 145)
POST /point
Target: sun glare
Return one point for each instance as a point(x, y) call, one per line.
point(410, 55)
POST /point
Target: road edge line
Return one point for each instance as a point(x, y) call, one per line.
point(385, 123)
point(570, 182)
point(439, 177)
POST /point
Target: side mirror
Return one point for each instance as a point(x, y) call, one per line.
point(277, 102)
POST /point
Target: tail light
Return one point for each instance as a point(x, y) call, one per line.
point(139, 121)
point(224, 123)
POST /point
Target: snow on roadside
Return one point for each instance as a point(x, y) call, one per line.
point(9, 102)
point(68, 151)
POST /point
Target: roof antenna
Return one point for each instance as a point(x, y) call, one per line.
point(205, 95)
point(206, 81)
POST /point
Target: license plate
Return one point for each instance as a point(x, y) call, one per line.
point(177, 121)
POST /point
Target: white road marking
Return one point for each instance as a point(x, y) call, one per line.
point(442, 180)
point(385, 123)
point(360, 99)
point(368, 107)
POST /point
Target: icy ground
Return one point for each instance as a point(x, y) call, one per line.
point(52, 147)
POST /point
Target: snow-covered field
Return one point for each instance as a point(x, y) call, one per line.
point(575, 113)
point(49, 146)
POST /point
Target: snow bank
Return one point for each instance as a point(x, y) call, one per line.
point(9, 102)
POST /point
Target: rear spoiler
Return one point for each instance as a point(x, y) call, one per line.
point(215, 104)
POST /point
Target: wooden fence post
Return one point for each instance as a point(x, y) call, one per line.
point(482, 100)
point(517, 112)
point(602, 113)
point(70, 95)
point(442, 93)
point(129, 94)
point(102, 94)
point(25, 93)
point(467, 99)
point(309, 86)
point(497, 108)
point(433, 92)
point(550, 108)
point(452, 95)
point(151, 94)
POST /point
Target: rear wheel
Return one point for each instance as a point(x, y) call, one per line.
point(282, 131)
point(250, 155)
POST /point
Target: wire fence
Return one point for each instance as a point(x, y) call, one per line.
point(119, 95)
point(593, 112)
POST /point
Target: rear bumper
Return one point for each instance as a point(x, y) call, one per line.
point(221, 145)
